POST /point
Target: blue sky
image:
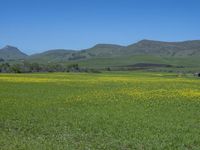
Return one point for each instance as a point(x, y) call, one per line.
point(38, 25)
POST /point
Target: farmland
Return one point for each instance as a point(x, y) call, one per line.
point(111, 110)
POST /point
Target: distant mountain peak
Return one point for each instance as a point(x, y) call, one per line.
point(10, 48)
point(144, 41)
point(106, 45)
point(143, 47)
point(11, 52)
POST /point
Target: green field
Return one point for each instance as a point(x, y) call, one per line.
point(121, 110)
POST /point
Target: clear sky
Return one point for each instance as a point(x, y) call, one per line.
point(38, 25)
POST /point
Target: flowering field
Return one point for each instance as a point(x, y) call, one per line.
point(127, 110)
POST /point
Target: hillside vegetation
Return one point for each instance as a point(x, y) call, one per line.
point(11, 53)
point(185, 54)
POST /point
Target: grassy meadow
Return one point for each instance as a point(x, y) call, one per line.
point(116, 110)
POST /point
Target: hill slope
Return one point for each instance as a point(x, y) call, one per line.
point(187, 48)
point(105, 50)
point(52, 56)
point(185, 53)
point(60, 55)
point(144, 47)
point(11, 53)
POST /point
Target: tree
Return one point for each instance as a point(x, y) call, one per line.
point(2, 60)
point(16, 68)
point(5, 67)
point(35, 67)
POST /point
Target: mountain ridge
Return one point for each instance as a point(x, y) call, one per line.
point(150, 48)
point(102, 45)
point(10, 52)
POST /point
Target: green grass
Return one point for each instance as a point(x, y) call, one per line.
point(119, 110)
point(189, 63)
point(120, 61)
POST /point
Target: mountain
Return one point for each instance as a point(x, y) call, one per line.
point(145, 47)
point(104, 50)
point(11, 53)
point(186, 53)
point(60, 55)
point(55, 55)
point(149, 47)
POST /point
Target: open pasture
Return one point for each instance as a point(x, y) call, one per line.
point(121, 110)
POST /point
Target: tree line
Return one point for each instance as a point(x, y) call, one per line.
point(27, 67)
